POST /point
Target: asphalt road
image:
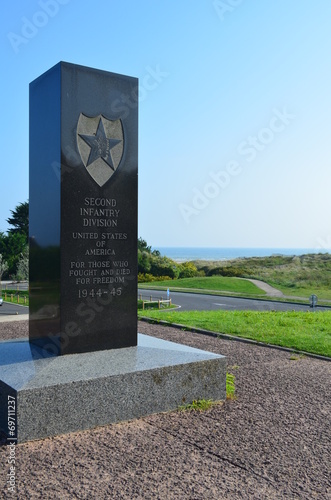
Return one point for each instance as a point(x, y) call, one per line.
point(13, 285)
point(8, 309)
point(195, 302)
point(201, 302)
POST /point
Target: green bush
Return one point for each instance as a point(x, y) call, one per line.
point(230, 271)
point(163, 266)
point(151, 262)
point(187, 270)
point(144, 278)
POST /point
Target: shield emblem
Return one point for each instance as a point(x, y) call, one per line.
point(100, 144)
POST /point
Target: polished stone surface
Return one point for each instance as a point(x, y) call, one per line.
point(83, 210)
point(101, 387)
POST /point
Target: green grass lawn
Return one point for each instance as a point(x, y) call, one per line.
point(304, 331)
point(215, 283)
point(11, 296)
point(153, 305)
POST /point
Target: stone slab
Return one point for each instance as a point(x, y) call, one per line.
point(60, 394)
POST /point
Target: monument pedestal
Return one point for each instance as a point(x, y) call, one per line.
point(60, 394)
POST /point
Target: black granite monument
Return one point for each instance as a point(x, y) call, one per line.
point(83, 210)
point(83, 273)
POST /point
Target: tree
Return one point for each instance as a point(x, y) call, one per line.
point(151, 262)
point(11, 248)
point(144, 262)
point(143, 247)
point(3, 266)
point(20, 220)
point(23, 266)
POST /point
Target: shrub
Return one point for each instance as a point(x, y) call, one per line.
point(187, 270)
point(226, 271)
point(147, 277)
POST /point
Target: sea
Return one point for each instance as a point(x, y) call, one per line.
point(184, 254)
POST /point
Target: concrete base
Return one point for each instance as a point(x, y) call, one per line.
point(60, 394)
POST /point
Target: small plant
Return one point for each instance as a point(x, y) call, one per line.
point(296, 357)
point(198, 404)
point(230, 387)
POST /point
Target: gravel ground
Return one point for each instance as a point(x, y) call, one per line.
point(272, 442)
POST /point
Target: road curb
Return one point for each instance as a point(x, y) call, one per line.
point(7, 318)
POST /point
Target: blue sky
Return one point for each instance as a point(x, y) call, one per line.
point(234, 112)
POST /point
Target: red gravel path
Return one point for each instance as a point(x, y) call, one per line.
point(272, 442)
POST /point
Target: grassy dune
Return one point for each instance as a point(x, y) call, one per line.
point(293, 275)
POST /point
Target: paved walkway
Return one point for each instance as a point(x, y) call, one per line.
point(274, 292)
point(270, 290)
